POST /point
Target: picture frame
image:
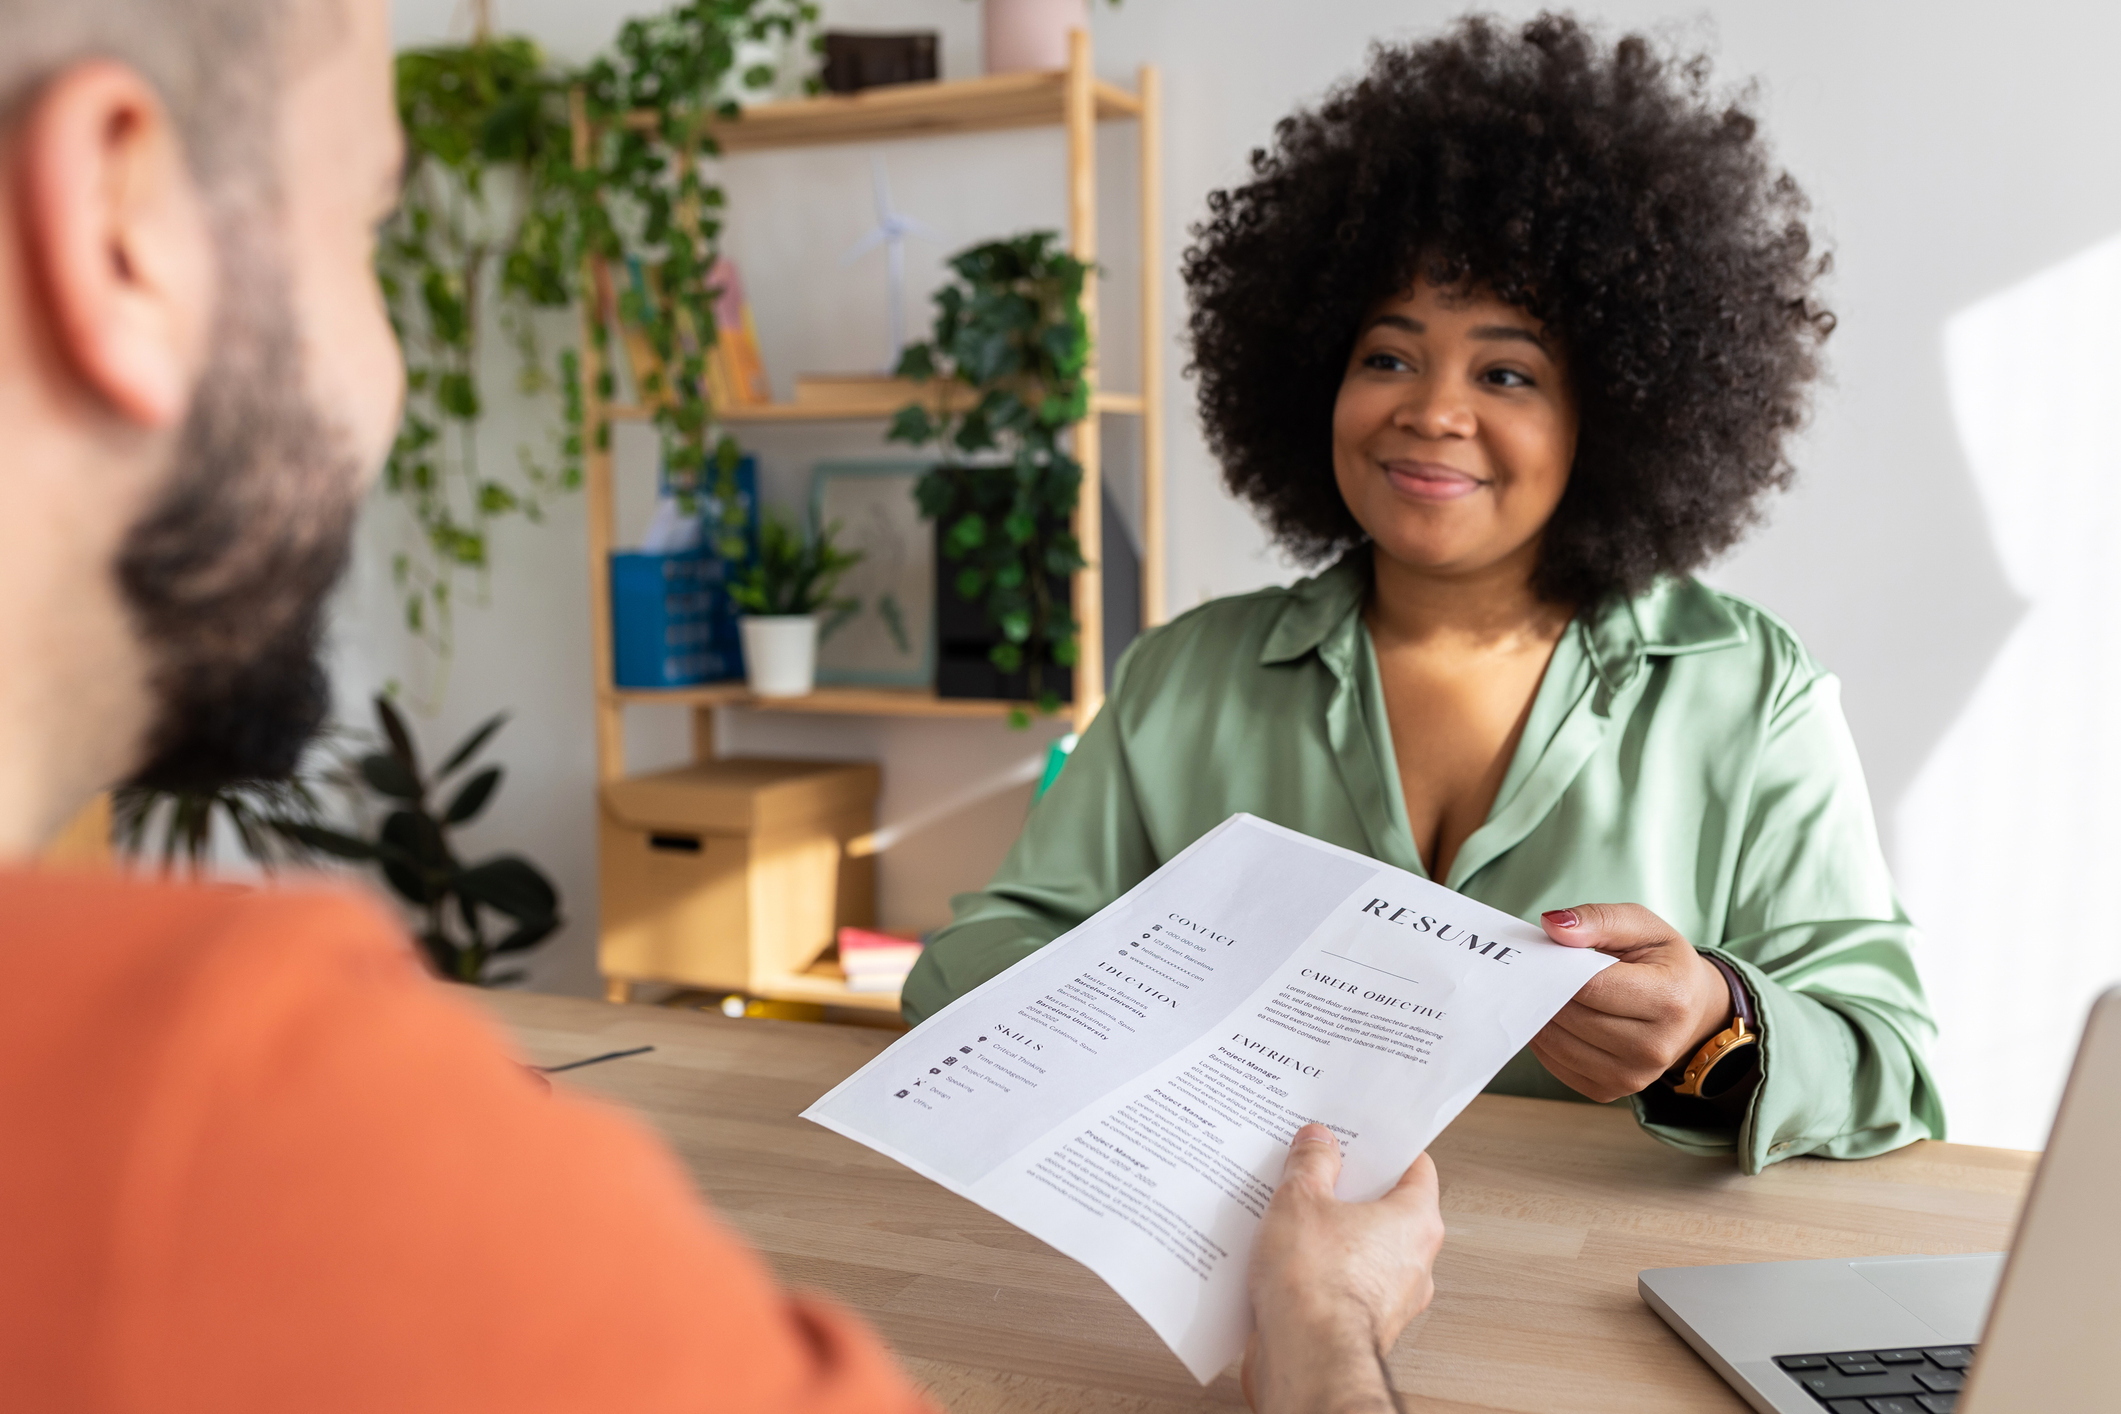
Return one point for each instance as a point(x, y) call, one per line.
point(888, 637)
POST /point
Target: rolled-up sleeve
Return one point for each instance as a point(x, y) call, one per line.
point(1826, 952)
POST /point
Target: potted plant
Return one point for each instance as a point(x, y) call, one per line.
point(1011, 329)
point(471, 914)
point(782, 591)
point(1021, 36)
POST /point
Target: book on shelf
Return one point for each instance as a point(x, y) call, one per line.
point(735, 362)
point(735, 370)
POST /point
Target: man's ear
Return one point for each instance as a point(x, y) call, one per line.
point(118, 241)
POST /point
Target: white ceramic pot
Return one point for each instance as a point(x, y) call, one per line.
point(1025, 35)
point(780, 653)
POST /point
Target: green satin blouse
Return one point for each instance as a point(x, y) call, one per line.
point(1683, 752)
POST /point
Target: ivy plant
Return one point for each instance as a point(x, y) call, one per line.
point(481, 143)
point(499, 205)
point(1009, 329)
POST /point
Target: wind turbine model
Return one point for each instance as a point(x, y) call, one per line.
point(890, 233)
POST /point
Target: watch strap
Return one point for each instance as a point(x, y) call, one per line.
point(1742, 1034)
point(1741, 1000)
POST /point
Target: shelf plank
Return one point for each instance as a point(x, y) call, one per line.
point(989, 104)
point(1124, 404)
point(841, 701)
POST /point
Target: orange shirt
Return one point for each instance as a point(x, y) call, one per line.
point(252, 1160)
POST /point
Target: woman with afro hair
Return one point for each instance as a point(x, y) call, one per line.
point(1510, 335)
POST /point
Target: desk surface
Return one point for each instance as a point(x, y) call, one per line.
point(1551, 1208)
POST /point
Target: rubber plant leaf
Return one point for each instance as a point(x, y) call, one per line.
point(473, 797)
point(390, 776)
point(512, 885)
point(400, 739)
point(471, 745)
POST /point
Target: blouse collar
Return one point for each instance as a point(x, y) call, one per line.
point(1675, 616)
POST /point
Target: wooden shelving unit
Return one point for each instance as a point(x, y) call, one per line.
point(831, 701)
point(1073, 99)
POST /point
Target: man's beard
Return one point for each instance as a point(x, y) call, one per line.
point(227, 573)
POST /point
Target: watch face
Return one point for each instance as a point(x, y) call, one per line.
point(1730, 1070)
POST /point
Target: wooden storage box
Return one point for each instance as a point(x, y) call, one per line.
point(733, 873)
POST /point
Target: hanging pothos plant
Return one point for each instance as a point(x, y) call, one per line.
point(498, 204)
point(1009, 328)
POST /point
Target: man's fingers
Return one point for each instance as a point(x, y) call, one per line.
point(1417, 1186)
point(1314, 1157)
point(1615, 928)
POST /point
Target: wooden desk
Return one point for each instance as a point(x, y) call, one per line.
point(1552, 1209)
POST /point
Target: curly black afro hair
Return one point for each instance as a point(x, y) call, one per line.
point(1604, 190)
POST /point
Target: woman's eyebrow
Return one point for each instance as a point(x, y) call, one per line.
point(1507, 331)
point(1398, 321)
point(1484, 331)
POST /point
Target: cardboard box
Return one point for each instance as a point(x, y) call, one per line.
point(733, 873)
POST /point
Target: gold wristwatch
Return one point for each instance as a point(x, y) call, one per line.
point(1727, 1057)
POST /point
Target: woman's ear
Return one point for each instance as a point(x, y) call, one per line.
point(118, 243)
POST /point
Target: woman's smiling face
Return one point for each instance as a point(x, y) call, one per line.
point(1454, 431)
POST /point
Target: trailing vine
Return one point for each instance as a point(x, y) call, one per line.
point(1010, 328)
point(498, 204)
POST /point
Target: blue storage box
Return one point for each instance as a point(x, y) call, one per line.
point(673, 623)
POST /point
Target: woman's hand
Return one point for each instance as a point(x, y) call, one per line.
point(1634, 1021)
point(1334, 1283)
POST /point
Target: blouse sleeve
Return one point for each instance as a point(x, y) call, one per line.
point(1083, 845)
point(1828, 955)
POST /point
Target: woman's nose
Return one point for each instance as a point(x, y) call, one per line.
point(1435, 409)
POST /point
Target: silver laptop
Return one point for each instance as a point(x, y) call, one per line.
point(1916, 1335)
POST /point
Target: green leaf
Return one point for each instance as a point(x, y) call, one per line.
point(324, 841)
point(916, 362)
point(511, 885)
point(470, 800)
point(387, 775)
point(968, 532)
point(527, 934)
point(912, 424)
point(395, 732)
point(469, 747)
point(416, 860)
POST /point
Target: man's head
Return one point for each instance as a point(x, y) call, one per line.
point(197, 375)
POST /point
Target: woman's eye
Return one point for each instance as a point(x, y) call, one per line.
point(1387, 362)
point(1507, 378)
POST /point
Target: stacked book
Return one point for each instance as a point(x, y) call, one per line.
point(876, 962)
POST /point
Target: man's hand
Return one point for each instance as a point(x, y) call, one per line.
point(1334, 1283)
point(1637, 1019)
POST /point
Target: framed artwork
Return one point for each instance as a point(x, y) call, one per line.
point(887, 637)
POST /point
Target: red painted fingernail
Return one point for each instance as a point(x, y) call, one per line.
point(1561, 917)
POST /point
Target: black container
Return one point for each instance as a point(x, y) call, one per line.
point(963, 635)
point(855, 61)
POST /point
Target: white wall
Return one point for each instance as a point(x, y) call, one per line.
point(1953, 153)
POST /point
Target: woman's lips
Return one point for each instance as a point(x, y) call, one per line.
point(1430, 481)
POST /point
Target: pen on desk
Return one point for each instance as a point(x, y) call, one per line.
point(592, 1060)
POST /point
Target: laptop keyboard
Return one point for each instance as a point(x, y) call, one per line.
point(1910, 1381)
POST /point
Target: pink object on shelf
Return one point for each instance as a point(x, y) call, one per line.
point(865, 954)
point(1030, 35)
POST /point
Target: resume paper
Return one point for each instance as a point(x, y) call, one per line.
point(1128, 1092)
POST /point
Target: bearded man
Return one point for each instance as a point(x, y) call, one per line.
point(251, 1158)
